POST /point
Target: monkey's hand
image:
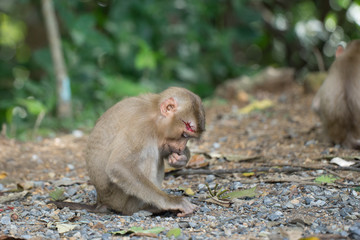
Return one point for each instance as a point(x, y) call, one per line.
point(177, 160)
point(184, 206)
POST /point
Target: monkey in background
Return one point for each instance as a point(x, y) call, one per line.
point(126, 151)
point(338, 100)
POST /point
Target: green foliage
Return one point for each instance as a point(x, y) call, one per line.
point(12, 31)
point(325, 179)
point(250, 193)
point(57, 194)
point(117, 86)
point(121, 48)
point(174, 232)
point(33, 106)
point(217, 193)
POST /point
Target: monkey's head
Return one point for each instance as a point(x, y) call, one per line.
point(181, 117)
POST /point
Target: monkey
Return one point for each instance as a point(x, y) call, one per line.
point(337, 102)
point(127, 147)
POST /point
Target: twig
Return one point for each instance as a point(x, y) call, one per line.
point(3, 130)
point(319, 59)
point(39, 119)
point(315, 167)
point(300, 182)
point(338, 175)
point(242, 158)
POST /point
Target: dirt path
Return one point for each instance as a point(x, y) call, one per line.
point(286, 205)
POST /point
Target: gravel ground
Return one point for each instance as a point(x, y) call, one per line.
point(287, 212)
point(286, 205)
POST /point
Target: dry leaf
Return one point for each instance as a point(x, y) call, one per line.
point(64, 227)
point(341, 162)
point(168, 168)
point(197, 161)
point(224, 203)
point(3, 175)
point(142, 234)
point(67, 182)
point(13, 196)
point(310, 238)
point(187, 191)
point(256, 105)
point(248, 174)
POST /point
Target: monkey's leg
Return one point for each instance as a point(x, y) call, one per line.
point(128, 177)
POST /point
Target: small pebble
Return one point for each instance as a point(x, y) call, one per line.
point(210, 178)
point(275, 216)
point(77, 133)
point(267, 201)
point(193, 224)
point(106, 236)
point(216, 145)
point(205, 209)
point(318, 203)
point(308, 201)
point(28, 236)
point(141, 214)
point(310, 142)
point(202, 187)
point(71, 167)
point(289, 205)
point(237, 185)
point(72, 191)
point(5, 220)
point(39, 184)
point(184, 224)
point(28, 185)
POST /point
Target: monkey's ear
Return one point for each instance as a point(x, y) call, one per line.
point(168, 107)
point(340, 49)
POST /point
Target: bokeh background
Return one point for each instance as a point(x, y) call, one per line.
point(113, 49)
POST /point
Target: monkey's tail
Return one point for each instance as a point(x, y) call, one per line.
point(80, 206)
point(352, 142)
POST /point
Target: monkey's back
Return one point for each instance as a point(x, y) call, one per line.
point(118, 129)
point(339, 95)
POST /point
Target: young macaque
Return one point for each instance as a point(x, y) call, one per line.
point(338, 100)
point(128, 145)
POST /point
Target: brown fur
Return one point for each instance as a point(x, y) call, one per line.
point(127, 147)
point(338, 99)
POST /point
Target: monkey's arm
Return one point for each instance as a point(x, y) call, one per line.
point(126, 174)
point(179, 160)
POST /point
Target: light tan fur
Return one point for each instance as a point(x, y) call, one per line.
point(338, 100)
point(127, 147)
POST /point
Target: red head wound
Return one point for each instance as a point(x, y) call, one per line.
point(188, 126)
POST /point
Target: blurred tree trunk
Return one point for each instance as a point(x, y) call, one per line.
point(63, 91)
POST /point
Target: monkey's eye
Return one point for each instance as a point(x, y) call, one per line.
point(184, 135)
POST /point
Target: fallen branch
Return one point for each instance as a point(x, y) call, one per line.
point(299, 181)
point(231, 171)
point(275, 168)
point(315, 167)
